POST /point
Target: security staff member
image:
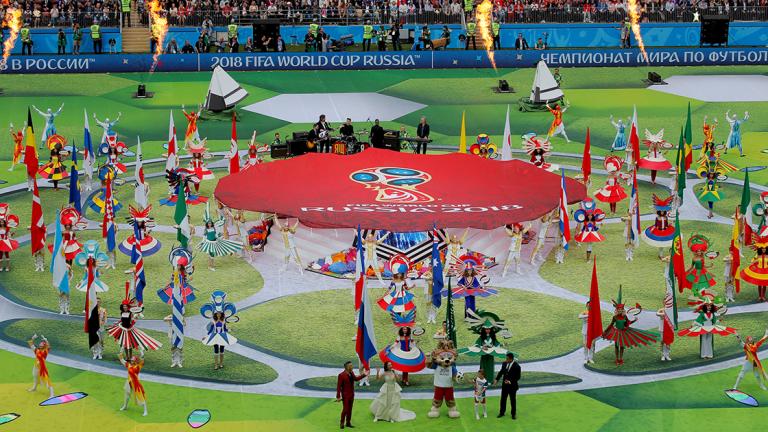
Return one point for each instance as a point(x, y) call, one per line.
point(313, 29)
point(394, 34)
point(125, 8)
point(26, 40)
point(471, 26)
point(495, 30)
point(234, 44)
point(468, 6)
point(367, 36)
point(96, 37)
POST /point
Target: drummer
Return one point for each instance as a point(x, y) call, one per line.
point(348, 135)
point(324, 133)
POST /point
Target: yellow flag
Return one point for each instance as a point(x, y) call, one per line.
point(463, 135)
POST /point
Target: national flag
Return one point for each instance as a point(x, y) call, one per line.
point(463, 134)
point(450, 320)
point(745, 210)
point(234, 156)
point(688, 140)
point(360, 269)
point(172, 162)
point(91, 325)
point(74, 183)
point(681, 168)
point(565, 223)
point(37, 229)
point(735, 251)
point(140, 193)
point(89, 156)
point(437, 271)
point(586, 160)
point(634, 205)
point(678, 259)
point(365, 344)
point(137, 259)
point(177, 314)
point(183, 230)
point(670, 307)
point(506, 145)
point(108, 225)
point(59, 267)
point(30, 150)
point(595, 317)
point(634, 139)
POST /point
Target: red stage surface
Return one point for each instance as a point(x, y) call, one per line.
point(382, 189)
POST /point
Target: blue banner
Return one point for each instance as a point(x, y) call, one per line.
point(385, 60)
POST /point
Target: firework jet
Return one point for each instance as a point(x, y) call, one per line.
point(484, 15)
point(12, 19)
point(634, 17)
point(159, 27)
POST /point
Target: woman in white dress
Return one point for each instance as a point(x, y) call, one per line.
point(386, 406)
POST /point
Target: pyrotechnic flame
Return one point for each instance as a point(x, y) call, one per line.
point(484, 14)
point(12, 19)
point(159, 22)
point(634, 20)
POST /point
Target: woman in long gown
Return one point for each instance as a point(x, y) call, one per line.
point(386, 406)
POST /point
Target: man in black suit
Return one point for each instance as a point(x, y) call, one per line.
point(521, 43)
point(324, 132)
point(422, 131)
point(509, 375)
point(377, 135)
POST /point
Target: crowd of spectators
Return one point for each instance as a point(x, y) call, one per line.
point(55, 13)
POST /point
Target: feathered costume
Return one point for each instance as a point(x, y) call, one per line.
point(217, 332)
point(620, 330)
point(213, 242)
point(127, 336)
point(55, 170)
point(706, 324)
point(92, 258)
point(181, 260)
point(472, 281)
point(487, 326)
point(7, 221)
point(140, 218)
point(97, 203)
point(654, 160)
point(661, 233)
point(181, 178)
point(70, 220)
point(538, 149)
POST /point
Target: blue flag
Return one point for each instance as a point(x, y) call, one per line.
point(437, 271)
point(74, 185)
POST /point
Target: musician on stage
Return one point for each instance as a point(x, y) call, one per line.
point(347, 130)
point(324, 133)
point(422, 131)
point(277, 141)
point(314, 136)
point(377, 135)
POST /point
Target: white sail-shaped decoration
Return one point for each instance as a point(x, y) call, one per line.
point(224, 92)
point(545, 88)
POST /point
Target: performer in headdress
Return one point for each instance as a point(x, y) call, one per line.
point(697, 278)
point(7, 244)
point(255, 150)
point(370, 244)
point(106, 127)
point(259, 233)
point(70, 221)
point(661, 233)
point(127, 336)
point(757, 271)
point(289, 243)
point(55, 170)
point(541, 236)
point(706, 325)
point(179, 180)
point(403, 354)
point(399, 300)
point(538, 149)
point(192, 134)
point(752, 360)
point(761, 211)
point(220, 313)
point(734, 136)
point(622, 334)
point(18, 145)
point(711, 168)
point(50, 127)
point(472, 282)
point(589, 218)
point(515, 233)
point(196, 164)
point(133, 386)
point(620, 140)
point(97, 203)
point(655, 160)
point(613, 192)
point(143, 224)
point(91, 259)
point(181, 262)
point(40, 368)
point(487, 326)
point(558, 127)
point(214, 243)
point(113, 150)
point(455, 248)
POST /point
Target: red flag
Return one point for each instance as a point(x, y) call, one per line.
point(234, 157)
point(586, 161)
point(37, 227)
point(634, 139)
point(595, 318)
point(678, 259)
point(30, 151)
point(90, 298)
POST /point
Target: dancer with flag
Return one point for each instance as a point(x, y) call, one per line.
point(437, 279)
point(180, 216)
point(141, 191)
point(37, 231)
point(172, 158)
point(733, 261)
point(668, 314)
point(92, 319)
point(506, 145)
point(564, 224)
point(234, 156)
point(108, 227)
point(620, 331)
point(74, 185)
point(60, 269)
point(30, 152)
point(592, 327)
point(678, 259)
point(89, 156)
point(586, 161)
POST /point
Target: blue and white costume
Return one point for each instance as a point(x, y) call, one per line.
point(734, 137)
point(620, 141)
point(50, 127)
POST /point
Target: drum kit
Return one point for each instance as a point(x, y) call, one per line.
point(343, 145)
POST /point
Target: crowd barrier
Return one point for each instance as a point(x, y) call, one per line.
point(383, 60)
point(45, 40)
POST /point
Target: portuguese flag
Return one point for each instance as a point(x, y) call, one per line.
point(678, 259)
point(688, 140)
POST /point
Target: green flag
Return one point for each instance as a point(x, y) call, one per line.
point(670, 299)
point(450, 321)
point(746, 195)
point(183, 231)
point(680, 165)
point(688, 128)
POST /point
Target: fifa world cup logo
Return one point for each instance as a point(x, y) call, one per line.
point(394, 185)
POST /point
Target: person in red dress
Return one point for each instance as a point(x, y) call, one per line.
point(345, 393)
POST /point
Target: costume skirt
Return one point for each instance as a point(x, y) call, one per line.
point(630, 337)
point(611, 194)
point(132, 338)
point(220, 247)
point(659, 238)
point(403, 361)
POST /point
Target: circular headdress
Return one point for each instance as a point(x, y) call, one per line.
point(181, 256)
point(56, 141)
point(399, 263)
point(613, 163)
point(69, 216)
point(698, 243)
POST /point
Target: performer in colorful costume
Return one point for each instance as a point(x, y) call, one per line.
point(589, 218)
point(113, 150)
point(192, 134)
point(143, 224)
point(484, 147)
point(70, 221)
point(127, 336)
point(655, 160)
point(661, 233)
point(612, 192)
point(622, 334)
point(108, 133)
point(55, 170)
point(757, 271)
point(214, 243)
point(259, 233)
point(220, 312)
point(40, 368)
point(404, 355)
point(50, 118)
point(289, 243)
point(734, 136)
point(7, 244)
point(538, 149)
point(697, 278)
point(196, 164)
point(708, 147)
point(399, 300)
point(455, 248)
point(712, 168)
point(515, 233)
point(761, 211)
point(443, 361)
point(253, 157)
point(178, 180)
point(97, 203)
point(371, 244)
point(486, 325)
point(133, 386)
point(751, 360)
point(706, 325)
point(557, 127)
point(472, 281)
point(181, 261)
point(91, 259)
point(18, 145)
point(620, 140)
